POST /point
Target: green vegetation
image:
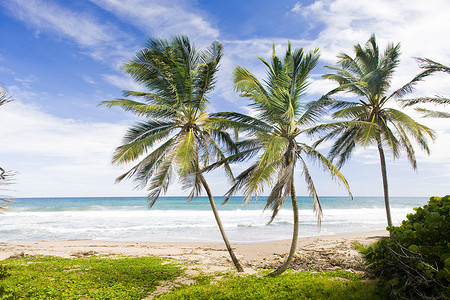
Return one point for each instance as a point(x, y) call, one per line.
point(43, 277)
point(83, 278)
point(370, 120)
point(299, 285)
point(176, 136)
point(415, 261)
point(278, 134)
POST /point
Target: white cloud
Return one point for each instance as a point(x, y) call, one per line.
point(88, 79)
point(58, 157)
point(162, 19)
point(123, 82)
point(418, 25)
point(96, 37)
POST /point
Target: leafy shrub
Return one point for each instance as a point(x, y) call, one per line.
point(414, 262)
point(4, 272)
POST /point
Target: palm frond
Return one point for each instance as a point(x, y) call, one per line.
point(317, 207)
point(281, 190)
point(433, 113)
point(410, 153)
point(249, 86)
point(220, 158)
point(418, 131)
point(204, 80)
point(187, 154)
point(240, 182)
point(241, 122)
point(389, 137)
point(5, 94)
point(161, 180)
point(360, 112)
point(428, 64)
point(315, 110)
point(142, 109)
point(336, 127)
point(344, 146)
point(140, 138)
point(145, 168)
point(420, 100)
point(409, 87)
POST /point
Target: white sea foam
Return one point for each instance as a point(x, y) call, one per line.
point(241, 225)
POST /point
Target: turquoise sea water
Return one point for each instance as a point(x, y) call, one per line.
point(174, 219)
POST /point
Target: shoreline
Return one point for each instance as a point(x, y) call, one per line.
point(331, 250)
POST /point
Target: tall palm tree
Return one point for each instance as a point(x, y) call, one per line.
point(178, 79)
point(429, 67)
point(368, 76)
point(275, 133)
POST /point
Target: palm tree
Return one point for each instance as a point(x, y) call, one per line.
point(281, 118)
point(5, 94)
point(429, 67)
point(178, 79)
point(5, 177)
point(368, 76)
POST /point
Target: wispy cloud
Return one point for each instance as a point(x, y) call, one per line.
point(418, 25)
point(88, 79)
point(97, 38)
point(163, 18)
point(122, 82)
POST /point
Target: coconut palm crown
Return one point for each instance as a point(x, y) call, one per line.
point(175, 139)
point(274, 133)
point(368, 76)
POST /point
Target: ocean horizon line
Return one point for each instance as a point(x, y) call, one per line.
point(217, 196)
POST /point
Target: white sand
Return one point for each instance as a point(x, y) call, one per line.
point(206, 256)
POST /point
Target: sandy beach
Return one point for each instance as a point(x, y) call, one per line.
point(325, 252)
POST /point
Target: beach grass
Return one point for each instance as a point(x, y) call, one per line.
point(291, 285)
point(46, 277)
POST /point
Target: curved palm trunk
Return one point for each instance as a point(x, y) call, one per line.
point(385, 182)
point(219, 223)
point(290, 257)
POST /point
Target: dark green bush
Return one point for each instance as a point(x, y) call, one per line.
point(414, 262)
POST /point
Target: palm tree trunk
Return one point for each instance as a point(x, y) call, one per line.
point(219, 223)
point(290, 257)
point(385, 182)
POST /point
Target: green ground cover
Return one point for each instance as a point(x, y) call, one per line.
point(291, 285)
point(84, 278)
point(135, 278)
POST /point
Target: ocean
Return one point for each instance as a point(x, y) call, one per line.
point(173, 219)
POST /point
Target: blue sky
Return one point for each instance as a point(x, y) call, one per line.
point(61, 58)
